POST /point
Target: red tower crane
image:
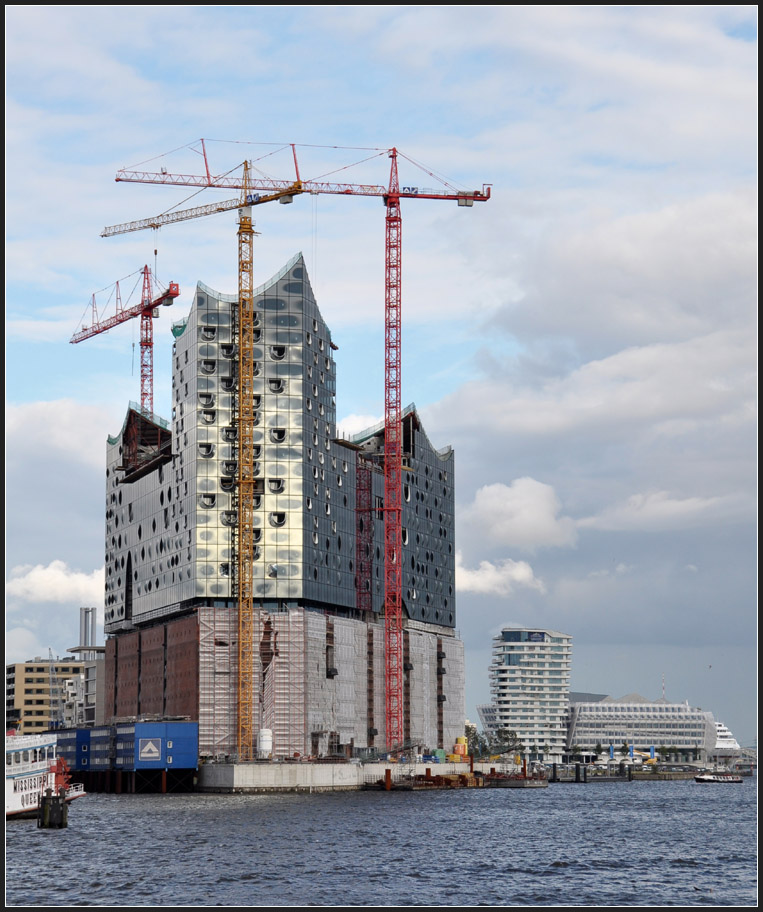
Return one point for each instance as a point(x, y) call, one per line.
point(146, 311)
point(391, 195)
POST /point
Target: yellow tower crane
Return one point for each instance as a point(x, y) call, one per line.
point(245, 421)
point(245, 322)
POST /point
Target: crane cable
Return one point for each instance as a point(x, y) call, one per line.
point(314, 241)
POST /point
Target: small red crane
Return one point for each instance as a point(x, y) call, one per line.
point(146, 311)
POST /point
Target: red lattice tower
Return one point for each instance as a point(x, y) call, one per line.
point(393, 467)
point(146, 346)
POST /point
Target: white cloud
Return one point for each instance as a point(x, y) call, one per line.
point(500, 578)
point(659, 510)
point(524, 514)
point(647, 276)
point(695, 382)
point(65, 428)
point(619, 570)
point(56, 583)
point(21, 641)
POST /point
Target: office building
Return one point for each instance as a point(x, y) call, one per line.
point(597, 723)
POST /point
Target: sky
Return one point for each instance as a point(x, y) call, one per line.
point(586, 340)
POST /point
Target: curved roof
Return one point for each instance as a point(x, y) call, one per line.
point(378, 429)
point(178, 328)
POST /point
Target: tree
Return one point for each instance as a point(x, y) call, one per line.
point(505, 741)
point(477, 742)
point(624, 748)
point(599, 749)
point(482, 744)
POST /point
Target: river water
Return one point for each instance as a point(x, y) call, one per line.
point(600, 844)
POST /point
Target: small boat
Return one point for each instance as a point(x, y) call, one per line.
point(717, 777)
point(32, 766)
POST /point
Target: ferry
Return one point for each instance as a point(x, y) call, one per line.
point(32, 765)
point(717, 777)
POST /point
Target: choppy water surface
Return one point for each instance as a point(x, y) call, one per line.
point(638, 843)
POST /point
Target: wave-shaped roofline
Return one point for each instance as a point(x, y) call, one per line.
point(178, 328)
point(232, 299)
point(378, 428)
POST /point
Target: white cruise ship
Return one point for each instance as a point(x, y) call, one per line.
point(725, 741)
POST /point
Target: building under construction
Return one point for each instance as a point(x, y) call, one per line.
point(317, 681)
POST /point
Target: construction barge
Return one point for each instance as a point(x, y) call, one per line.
point(456, 780)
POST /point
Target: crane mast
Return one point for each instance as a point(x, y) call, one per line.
point(56, 701)
point(393, 466)
point(246, 320)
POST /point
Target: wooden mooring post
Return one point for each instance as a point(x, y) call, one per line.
point(53, 813)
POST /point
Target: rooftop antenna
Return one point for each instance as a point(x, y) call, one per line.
point(663, 685)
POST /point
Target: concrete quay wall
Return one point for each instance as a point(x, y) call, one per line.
point(311, 777)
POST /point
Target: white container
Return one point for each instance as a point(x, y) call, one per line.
point(264, 744)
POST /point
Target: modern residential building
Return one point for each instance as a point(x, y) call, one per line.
point(171, 609)
point(35, 692)
point(530, 683)
point(645, 725)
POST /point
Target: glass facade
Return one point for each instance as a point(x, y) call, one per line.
point(171, 512)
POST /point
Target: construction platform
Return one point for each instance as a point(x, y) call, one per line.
point(428, 783)
point(424, 782)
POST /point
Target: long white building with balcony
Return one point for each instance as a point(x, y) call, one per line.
point(597, 723)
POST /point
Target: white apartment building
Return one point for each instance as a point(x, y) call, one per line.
point(530, 686)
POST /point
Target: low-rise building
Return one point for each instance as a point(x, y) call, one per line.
point(600, 723)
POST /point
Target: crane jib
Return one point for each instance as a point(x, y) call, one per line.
point(275, 186)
